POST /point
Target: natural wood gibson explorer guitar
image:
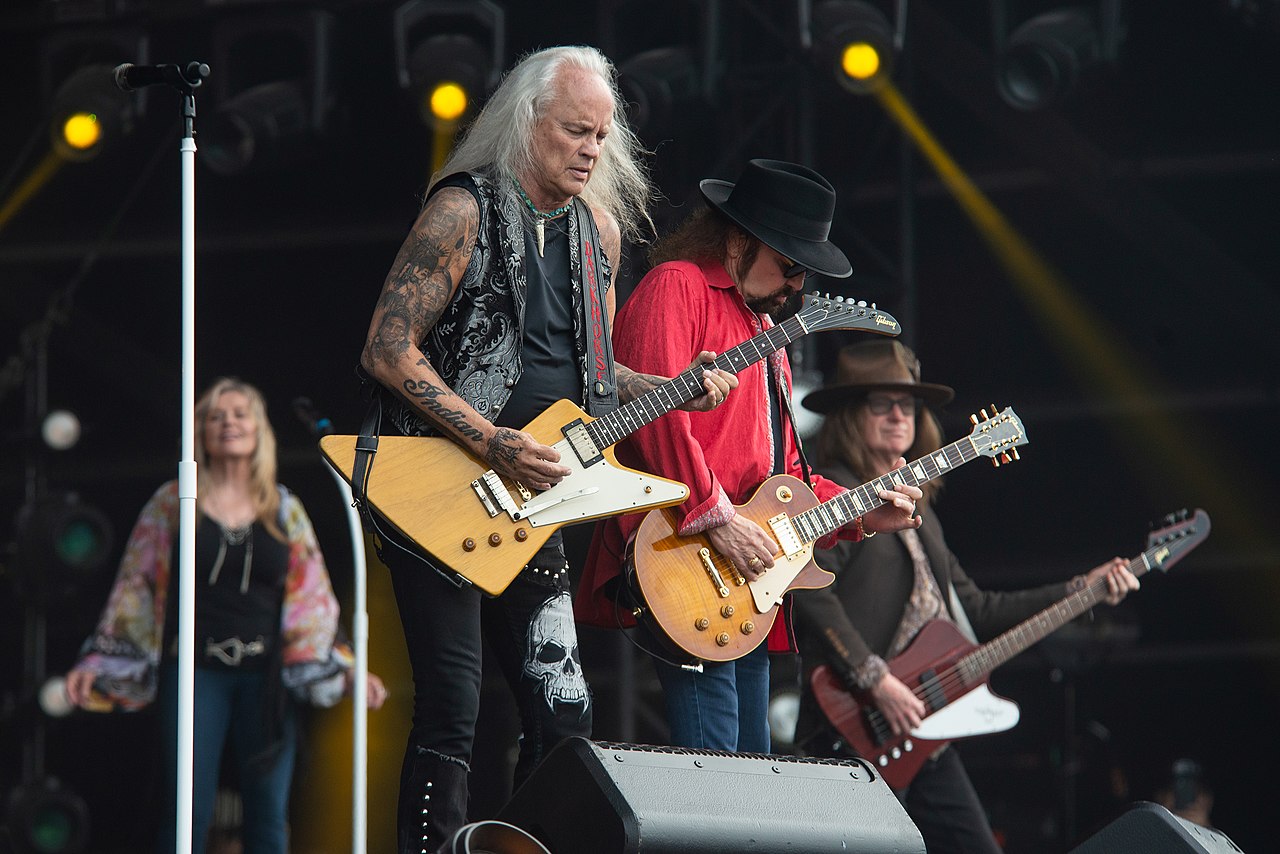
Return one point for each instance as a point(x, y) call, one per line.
point(949, 673)
point(701, 604)
point(485, 528)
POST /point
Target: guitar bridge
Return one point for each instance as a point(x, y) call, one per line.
point(705, 555)
point(493, 494)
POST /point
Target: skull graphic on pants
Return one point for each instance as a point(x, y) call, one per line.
point(552, 655)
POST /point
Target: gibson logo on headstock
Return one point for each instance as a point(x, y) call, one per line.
point(881, 320)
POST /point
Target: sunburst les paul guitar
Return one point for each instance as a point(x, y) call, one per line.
point(485, 527)
point(949, 673)
point(697, 600)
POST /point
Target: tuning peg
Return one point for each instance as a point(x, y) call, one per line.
point(973, 419)
point(995, 461)
point(1183, 515)
point(862, 303)
point(1014, 452)
point(873, 305)
point(840, 298)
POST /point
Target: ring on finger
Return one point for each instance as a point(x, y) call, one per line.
point(755, 561)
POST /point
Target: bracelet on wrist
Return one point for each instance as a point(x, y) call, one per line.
point(863, 533)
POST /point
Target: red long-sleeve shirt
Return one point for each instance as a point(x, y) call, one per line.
point(678, 309)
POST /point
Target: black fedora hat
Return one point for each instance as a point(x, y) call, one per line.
point(788, 207)
point(876, 365)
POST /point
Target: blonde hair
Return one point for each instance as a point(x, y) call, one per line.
point(263, 488)
point(841, 441)
point(501, 136)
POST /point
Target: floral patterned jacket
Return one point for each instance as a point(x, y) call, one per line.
point(125, 649)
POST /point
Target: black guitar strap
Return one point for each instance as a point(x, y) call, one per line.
point(366, 447)
point(791, 418)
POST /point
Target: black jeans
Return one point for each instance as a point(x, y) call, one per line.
point(531, 632)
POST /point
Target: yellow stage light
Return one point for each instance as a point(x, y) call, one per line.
point(88, 114)
point(860, 61)
point(854, 42)
point(448, 101)
point(81, 131)
point(449, 55)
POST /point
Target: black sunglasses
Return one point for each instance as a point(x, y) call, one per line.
point(796, 269)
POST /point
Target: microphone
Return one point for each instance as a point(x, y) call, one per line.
point(130, 77)
point(316, 423)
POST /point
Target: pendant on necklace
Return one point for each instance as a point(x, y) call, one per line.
point(540, 230)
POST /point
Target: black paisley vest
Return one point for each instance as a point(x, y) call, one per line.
point(476, 344)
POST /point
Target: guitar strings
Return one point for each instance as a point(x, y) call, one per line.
point(952, 677)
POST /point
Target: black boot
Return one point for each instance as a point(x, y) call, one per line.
point(433, 801)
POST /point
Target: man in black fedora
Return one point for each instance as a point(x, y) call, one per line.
point(727, 273)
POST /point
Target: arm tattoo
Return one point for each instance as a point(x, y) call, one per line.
point(633, 384)
point(422, 280)
point(427, 397)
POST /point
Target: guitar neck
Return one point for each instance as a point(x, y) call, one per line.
point(977, 664)
point(687, 385)
point(830, 515)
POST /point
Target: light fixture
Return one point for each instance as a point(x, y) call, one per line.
point(61, 542)
point(45, 818)
point(854, 42)
point(659, 87)
point(449, 56)
point(87, 112)
point(60, 430)
point(271, 88)
point(1045, 57)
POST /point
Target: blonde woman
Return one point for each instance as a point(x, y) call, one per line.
point(265, 626)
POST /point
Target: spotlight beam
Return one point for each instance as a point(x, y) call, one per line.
point(36, 179)
point(1091, 348)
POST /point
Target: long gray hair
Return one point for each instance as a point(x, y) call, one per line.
point(501, 136)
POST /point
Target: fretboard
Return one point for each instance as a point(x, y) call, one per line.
point(830, 515)
point(976, 665)
point(680, 389)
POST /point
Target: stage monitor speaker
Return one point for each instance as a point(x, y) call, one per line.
point(1149, 828)
point(590, 797)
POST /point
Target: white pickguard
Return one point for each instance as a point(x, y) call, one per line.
point(767, 590)
point(599, 490)
point(977, 713)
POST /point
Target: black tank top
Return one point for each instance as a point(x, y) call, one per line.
point(550, 369)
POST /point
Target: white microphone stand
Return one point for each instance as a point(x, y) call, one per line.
point(186, 82)
point(321, 426)
point(359, 700)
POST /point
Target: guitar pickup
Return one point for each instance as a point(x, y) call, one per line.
point(583, 446)
point(785, 533)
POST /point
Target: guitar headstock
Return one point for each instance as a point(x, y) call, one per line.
point(819, 313)
point(1180, 533)
point(998, 435)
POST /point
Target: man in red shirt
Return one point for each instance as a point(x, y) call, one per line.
point(728, 273)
